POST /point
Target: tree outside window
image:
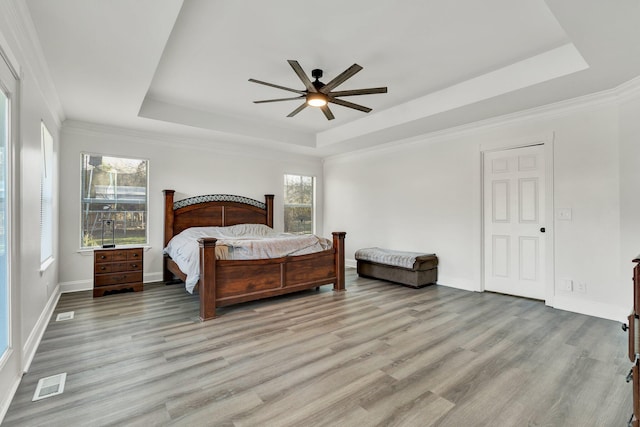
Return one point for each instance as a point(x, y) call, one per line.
point(114, 200)
point(299, 198)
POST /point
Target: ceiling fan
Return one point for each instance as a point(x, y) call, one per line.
point(318, 94)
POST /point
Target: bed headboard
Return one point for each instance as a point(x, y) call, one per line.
point(214, 210)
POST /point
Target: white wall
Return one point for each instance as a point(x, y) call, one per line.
point(189, 167)
point(416, 198)
point(424, 195)
point(37, 287)
point(629, 187)
point(38, 292)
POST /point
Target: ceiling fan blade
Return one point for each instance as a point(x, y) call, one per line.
point(340, 78)
point(354, 92)
point(277, 86)
point(327, 112)
point(277, 100)
point(301, 74)
point(350, 105)
point(297, 110)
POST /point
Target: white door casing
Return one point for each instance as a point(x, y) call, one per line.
point(514, 215)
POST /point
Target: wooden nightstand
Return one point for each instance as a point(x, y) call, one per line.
point(117, 270)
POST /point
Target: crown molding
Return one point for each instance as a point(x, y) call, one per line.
point(155, 139)
point(629, 90)
point(615, 96)
point(9, 58)
point(28, 48)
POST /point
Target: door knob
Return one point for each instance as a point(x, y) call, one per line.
point(542, 229)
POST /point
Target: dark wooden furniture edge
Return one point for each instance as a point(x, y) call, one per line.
point(218, 285)
point(633, 330)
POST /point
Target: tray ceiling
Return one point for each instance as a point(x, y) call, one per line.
point(182, 67)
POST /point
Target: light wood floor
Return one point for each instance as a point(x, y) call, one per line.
point(377, 355)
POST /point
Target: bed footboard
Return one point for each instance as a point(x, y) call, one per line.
point(224, 282)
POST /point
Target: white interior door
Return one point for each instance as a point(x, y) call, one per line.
point(514, 243)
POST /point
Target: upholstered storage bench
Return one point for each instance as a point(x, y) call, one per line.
point(413, 269)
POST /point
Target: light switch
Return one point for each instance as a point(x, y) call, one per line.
point(564, 213)
point(566, 285)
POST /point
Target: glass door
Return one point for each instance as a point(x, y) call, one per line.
point(11, 359)
point(9, 354)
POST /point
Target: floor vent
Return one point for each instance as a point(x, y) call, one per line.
point(50, 386)
point(64, 316)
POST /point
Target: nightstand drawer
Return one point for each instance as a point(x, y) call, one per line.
point(112, 267)
point(117, 278)
point(134, 254)
point(116, 255)
point(103, 256)
point(103, 268)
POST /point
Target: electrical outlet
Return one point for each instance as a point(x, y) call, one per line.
point(566, 285)
point(581, 287)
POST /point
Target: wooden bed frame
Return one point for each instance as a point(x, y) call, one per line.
point(226, 282)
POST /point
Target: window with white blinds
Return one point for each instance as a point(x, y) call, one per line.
point(46, 196)
point(7, 317)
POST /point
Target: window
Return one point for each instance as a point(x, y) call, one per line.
point(46, 196)
point(114, 201)
point(299, 201)
point(5, 108)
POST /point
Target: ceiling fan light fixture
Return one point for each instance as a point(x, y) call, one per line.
point(317, 94)
point(316, 99)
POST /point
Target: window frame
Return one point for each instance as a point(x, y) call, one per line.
point(46, 194)
point(9, 316)
point(313, 202)
point(81, 193)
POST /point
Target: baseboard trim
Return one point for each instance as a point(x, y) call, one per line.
point(33, 341)
point(153, 277)
point(76, 286)
point(87, 285)
point(591, 308)
point(458, 283)
point(8, 398)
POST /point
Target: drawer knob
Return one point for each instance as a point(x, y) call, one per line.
point(103, 268)
point(134, 265)
point(135, 255)
point(102, 257)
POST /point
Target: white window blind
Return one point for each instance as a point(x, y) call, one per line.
point(46, 195)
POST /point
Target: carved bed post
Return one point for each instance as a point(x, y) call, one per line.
point(168, 215)
point(207, 282)
point(338, 244)
point(268, 201)
point(167, 276)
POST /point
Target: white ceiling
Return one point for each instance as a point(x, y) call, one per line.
point(182, 67)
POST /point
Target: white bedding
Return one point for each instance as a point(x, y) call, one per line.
point(239, 242)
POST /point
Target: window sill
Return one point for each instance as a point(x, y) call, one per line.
point(89, 251)
point(45, 265)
